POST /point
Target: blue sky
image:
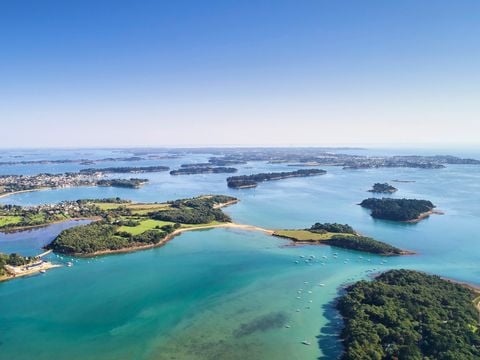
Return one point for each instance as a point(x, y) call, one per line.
point(163, 73)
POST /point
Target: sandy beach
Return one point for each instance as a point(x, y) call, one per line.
point(174, 234)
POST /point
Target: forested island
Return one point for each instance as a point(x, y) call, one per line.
point(251, 181)
point(409, 210)
point(191, 169)
point(132, 183)
point(126, 226)
point(383, 188)
point(124, 170)
point(405, 314)
point(343, 236)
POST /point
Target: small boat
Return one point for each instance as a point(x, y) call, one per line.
point(321, 284)
point(43, 271)
point(287, 326)
point(69, 264)
point(305, 342)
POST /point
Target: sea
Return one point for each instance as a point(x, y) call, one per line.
point(226, 293)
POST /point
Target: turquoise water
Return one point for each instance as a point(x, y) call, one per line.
point(228, 294)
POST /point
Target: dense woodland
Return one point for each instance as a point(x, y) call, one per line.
point(405, 314)
point(383, 188)
point(334, 228)
point(363, 243)
point(397, 209)
point(199, 210)
point(246, 181)
point(126, 183)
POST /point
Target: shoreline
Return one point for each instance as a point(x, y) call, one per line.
point(47, 265)
point(424, 215)
point(171, 236)
point(4, 195)
point(31, 227)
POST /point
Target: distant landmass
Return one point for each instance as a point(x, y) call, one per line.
point(251, 181)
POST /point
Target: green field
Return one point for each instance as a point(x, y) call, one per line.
point(145, 225)
point(304, 235)
point(137, 209)
point(9, 220)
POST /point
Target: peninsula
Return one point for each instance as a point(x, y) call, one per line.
point(12, 184)
point(338, 235)
point(406, 210)
point(15, 265)
point(405, 314)
point(384, 188)
point(251, 181)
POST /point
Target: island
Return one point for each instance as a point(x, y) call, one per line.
point(251, 181)
point(342, 236)
point(406, 210)
point(132, 183)
point(203, 168)
point(383, 188)
point(125, 226)
point(404, 314)
point(124, 170)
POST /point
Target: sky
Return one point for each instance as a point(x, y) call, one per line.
point(239, 73)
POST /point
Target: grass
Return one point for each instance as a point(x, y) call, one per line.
point(305, 235)
point(145, 225)
point(137, 209)
point(9, 220)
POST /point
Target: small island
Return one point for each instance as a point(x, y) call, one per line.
point(406, 210)
point(132, 183)
point(405, 314)
point(192, 169)
point(251, 181)
point(338, 235)
point(383, 188)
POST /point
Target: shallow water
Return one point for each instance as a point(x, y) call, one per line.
point(228, 293)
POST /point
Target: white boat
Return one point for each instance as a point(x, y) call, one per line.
point(43, 271)
point(69, 264)
point(305, 342)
